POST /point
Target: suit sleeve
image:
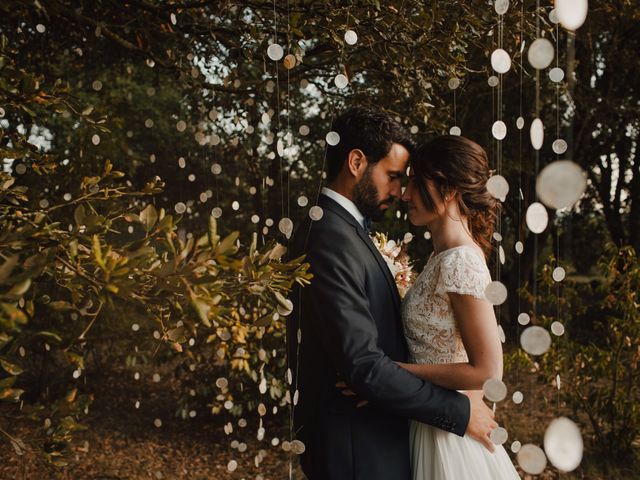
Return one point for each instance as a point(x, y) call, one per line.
point(348, 333)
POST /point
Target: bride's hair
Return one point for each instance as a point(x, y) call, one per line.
point(457, 165)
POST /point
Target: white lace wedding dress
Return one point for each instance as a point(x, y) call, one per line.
point(433, 338)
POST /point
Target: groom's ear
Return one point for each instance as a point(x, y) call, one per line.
point(356, 162)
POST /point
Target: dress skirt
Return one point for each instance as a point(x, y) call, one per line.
point(440, 455)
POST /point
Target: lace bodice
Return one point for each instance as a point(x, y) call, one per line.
point(429, 324)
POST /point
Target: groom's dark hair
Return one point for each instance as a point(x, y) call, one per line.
point(366, 129)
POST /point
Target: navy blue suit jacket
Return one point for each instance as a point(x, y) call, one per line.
point(351, 329)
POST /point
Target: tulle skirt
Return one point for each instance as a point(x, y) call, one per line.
point(440, 455)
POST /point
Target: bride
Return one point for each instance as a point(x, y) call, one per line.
point(450, 328)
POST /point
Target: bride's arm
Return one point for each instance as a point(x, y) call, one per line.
point(477, 324)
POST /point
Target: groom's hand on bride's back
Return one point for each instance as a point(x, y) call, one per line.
point(481, 420)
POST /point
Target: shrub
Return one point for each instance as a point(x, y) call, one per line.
point(204, 303)
point(598, 357)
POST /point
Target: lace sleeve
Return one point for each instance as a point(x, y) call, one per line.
point(463, 271)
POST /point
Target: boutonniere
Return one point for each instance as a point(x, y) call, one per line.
point(397, 259)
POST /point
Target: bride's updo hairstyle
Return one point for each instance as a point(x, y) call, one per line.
point(457, 166)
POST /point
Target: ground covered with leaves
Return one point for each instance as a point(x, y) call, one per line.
point(122, 442)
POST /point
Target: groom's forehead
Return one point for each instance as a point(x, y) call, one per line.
point(397, 158)
point(392, 167)
point(400, 150)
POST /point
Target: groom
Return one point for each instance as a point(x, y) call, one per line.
point(349, 320)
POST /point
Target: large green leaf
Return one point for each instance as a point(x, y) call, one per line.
point(202, 308)
point(7, 267)
point(227, 245)
point(20, 289)
point(149, 217)
point(11, 368)
point(11, 394)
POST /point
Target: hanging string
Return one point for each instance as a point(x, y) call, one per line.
point(499, 157)
point(289, 136)
point(280, 170)
point(537, 169)
point(298, 339)
point(557, 158)
point(455, 109)
point(519, 236)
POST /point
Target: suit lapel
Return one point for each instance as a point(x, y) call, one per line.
point(383, 266)
point(326, 202)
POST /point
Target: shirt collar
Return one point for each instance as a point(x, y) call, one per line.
point(345, 203)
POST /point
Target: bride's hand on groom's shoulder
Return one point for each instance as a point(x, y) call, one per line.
point(481, 420)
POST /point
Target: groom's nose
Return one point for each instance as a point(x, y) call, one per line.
point(396, 191)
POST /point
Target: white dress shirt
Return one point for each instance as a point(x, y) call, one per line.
point(345, 203)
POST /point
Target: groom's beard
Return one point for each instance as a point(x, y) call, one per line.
point(365, 197)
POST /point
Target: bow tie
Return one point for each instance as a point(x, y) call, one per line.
point(367, 225)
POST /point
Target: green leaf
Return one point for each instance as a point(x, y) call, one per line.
point(75, 359)
point(149, 217)
point(11, 394)
point(93, 222)
point(97, 250)
point(51, 335)
point(186, 250)
point(7, 267)
point(60, 306)
point(176, 335)
point(276, 252)
point(70, 425)
point(18, 446)
point(71, 395)
point(16, 315)
point(166, 269)
point(282, 300)
point(166, 223)
point(247, 268)
point(11, 368)
point(79, 215)
point(202, 241)
point(227, 245)
point(108, 166)
point(144, 251)
point(202, 309)
point(19, 289)
point(73, 249)
point(254, 244)
point(264, 321)
point(7, 183)
point(7, 382)
point(28, 110)
point(213, 232)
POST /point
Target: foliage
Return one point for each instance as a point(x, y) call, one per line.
point(65, 286)
point(597, 358)
point(206, 65)
point(166, 62)
point(171, 89)
point(201, 304)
